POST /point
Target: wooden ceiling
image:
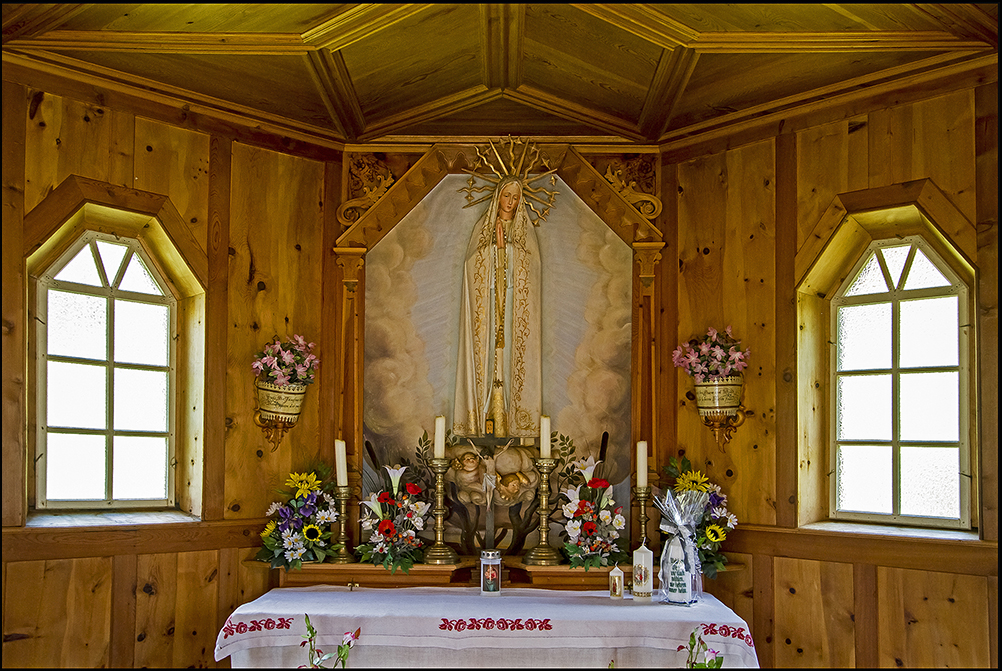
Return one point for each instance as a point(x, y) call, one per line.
point(398, 72)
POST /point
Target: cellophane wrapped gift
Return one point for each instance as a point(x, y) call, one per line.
point(681, 574)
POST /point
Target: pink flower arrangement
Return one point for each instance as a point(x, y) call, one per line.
point(714, 356)
point(283, 364)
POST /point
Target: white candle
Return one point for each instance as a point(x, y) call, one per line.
point(643, 573)
point(616, 583)
point(341, 462)
point(642, 463)
point(440, 437)
point(544, 437)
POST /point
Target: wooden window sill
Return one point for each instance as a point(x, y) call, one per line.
point(889, 530)
point(106, 518)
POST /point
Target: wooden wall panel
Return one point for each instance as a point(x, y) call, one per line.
point(933, 138)
point(156, 604)
point(814, 613)
point(275, 272)
point(822, 172)
point(58, 613)
point(66, 137)
point(195, 620)
point(175, 162)
point(932, 619)
point(734, 587)
point(727, 278)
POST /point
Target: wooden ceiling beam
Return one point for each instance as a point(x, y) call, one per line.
point(357, 22)
point(537, 99)
point(28, 20)
point(502, 38)
point(337, 91)
point(244, 44)
point(670, 79)
point(964, 20)
point(833, 42)
point(456, 102)
point(644, 22)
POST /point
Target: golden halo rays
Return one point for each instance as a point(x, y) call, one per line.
point(497, 162)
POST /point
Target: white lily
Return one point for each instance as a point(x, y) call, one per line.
point(374, 505)
point(606, 497)
point(587, 467)
point(395, 475)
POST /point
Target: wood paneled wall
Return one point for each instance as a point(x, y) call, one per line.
point(734, 218)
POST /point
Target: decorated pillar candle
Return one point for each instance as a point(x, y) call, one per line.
point(616, 583)
point(643, 573)
point(544, 437)
point(341, 463)
point(642, 463)
point(439, 438)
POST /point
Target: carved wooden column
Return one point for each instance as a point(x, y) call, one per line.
point(350, 260)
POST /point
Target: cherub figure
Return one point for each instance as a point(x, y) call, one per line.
point(469, 476)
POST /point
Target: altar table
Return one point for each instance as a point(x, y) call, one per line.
point(412, 627)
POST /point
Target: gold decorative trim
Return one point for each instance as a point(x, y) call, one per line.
point(368, 180)
point(646, 204)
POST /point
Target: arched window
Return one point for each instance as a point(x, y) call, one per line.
point(886, 371)
point(106, 331)
point(899, 429)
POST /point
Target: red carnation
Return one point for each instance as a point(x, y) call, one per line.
point(588, 528)
point(384, 497)
point(413, 489)
point(387, 528)
point(598, 483)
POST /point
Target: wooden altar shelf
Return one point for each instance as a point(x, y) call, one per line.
point(370, 575)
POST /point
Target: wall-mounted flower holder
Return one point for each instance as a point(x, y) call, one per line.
point(278, 409)
point(720, 407)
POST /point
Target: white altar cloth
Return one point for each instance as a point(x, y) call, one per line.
point(458, 627)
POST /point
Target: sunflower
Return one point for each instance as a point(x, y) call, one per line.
point(312, 532)
point(715, 533)
point(268, 529)
point(303, 482)
point(692, 481)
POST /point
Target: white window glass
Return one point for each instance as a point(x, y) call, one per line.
point(930, 481)
point(864, 483)
point(864, 336)
point(78, 325)
point(870, 279)
point(864, 407)
point(140, 400)
point(930, 406)
point(923, 274)
point(77, 395)
point(111, 256)
point(140, 465)
point(899, 426)
point(142, 333)
point(81, 269)
point(75, 466)
point(895, 258)
point(138, 279)
point(929, 334)
point(105, 374)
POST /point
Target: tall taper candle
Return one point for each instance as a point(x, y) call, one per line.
point(544, 437)
point(439, 438)
point(341, 462)
point(642, 463)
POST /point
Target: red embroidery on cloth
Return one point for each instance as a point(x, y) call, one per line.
point(232, 629)
point(489, 623)
point(728, 631)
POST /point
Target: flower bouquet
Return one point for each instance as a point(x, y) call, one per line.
point(300, 530)
point(395, 515)
point(594, 521)
point(318, 656)
point(290, 364)
point(714, 520)
point(717, 355)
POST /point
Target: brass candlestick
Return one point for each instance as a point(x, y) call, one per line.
point(642, 494)
point(439, 552)
point(543, 554)
point(344, 555)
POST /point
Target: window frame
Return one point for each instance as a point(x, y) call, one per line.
point(46, 281)
point(959, 288)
